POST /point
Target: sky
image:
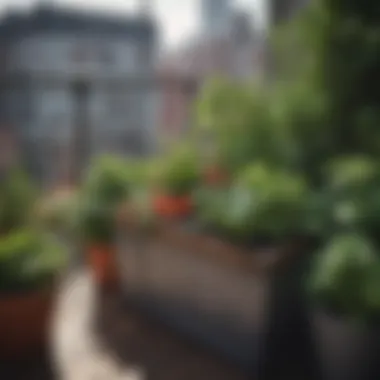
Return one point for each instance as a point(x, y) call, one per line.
point(178, 19)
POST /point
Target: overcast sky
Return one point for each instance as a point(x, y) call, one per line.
point(178, 18)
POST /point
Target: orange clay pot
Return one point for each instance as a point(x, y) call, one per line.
point(103, 264)
point(172, 206)
point(24, 323)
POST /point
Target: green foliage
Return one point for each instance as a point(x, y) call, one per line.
point(96, 222)
point(328, 60)
point(348, 55)
point(178, 172)
point(294, 45)
point(264, 203)
point(56, 211)
point(346, 277)
point(238, 122)
point(28, 260)
point(352, 173)
point(109, 180)
point(353, 183)
point(278, 202)
point(338, 75)
point(302, 128)
point(211, 206)
point(17, 198)
point(108, 183)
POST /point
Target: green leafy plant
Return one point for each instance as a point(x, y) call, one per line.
point(109, 179)
point(275, 202)
point(178, 172)
point(238, 122)
point(352, 173)
point(345, 278)
point(354, 185)
point(347, 51)
point(264, 203)
point(56, 211)
point(96, 224)
point(210, 204)
point(17, 198)
point(108, 184)
point(29, 260)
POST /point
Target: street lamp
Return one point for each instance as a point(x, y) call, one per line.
point(81, 143)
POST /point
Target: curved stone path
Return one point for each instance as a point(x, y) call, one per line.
point(98, 337)
point(77, 350)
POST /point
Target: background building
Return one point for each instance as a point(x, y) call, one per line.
point(215, 18)
point(283, 10)
point(228, 45)
point(76, 84)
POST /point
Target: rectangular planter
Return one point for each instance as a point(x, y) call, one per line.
point(215, 293)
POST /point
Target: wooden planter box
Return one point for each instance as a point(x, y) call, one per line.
point(228, 298)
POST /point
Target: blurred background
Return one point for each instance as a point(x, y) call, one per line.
point(80, 78)
point(190, 188)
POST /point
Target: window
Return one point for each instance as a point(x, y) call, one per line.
point(106, 55)
point(121, 104)
point(80, 54)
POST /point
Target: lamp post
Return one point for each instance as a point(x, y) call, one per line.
point(81, 139)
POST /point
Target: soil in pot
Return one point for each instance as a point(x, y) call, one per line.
point(103, 264)
point(24, 323)
point(347, 350)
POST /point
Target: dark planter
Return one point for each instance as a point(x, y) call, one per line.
point(288, 340)
point(25, 323)
point(346, 350)
point(235, 300)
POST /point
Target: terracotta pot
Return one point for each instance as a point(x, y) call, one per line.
point(172, 206)
point(24, 323)
point(103, 264)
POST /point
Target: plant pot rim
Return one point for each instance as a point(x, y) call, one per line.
point(258, 260)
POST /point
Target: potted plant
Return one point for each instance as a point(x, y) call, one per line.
point(174, 178)
point(30, 262)
point(244, 238)
point(17, 197)
point(263, 206)
point(55, 210)
point(345, 289)
point(353, 184)
point(106, 187)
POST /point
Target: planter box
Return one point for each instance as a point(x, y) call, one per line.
point(215, 293)
point(25, 323)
